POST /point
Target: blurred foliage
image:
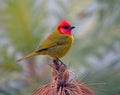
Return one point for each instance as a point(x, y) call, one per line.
point(24, 23)
point(103, 38)
point(104, 81)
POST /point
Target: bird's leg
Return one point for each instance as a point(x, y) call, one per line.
point(61, 62)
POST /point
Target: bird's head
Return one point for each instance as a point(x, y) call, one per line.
point(65, 28)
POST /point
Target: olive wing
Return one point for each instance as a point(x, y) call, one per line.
point(51, 42)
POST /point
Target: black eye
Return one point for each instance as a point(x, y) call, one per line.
point(65, 27)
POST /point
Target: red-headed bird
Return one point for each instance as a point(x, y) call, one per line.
point(57, 44)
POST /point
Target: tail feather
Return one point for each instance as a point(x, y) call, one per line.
point(27, 56)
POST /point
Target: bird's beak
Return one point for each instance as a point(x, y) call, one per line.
point(72, 27)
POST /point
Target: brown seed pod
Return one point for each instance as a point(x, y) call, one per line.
point(61, 85)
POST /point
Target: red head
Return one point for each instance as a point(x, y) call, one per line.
point(64, 27)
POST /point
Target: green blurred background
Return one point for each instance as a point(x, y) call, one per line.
point(94, 57)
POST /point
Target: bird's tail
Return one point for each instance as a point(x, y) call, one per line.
point(27, 56)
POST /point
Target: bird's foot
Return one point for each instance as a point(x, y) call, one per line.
point(56, 62)
point(61, 62)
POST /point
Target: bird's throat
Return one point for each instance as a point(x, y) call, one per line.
point(63, 31)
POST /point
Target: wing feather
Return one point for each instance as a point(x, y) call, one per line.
point(52, 41)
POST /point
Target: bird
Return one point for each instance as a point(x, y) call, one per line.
point(57, 44)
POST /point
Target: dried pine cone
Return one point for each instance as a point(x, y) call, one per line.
point(61, 84)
